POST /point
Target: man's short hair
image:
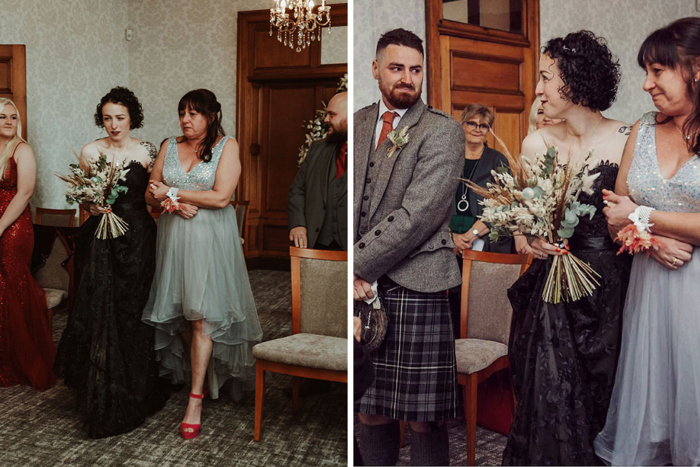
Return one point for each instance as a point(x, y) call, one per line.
point(400, 37)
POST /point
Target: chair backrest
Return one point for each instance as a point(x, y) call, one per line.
point(83, 215)
point(241, 208)
point(485, 309)
point(53, 275)
point(55, 217)
point(319, 292)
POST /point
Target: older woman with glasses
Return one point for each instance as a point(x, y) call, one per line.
point(468, 232)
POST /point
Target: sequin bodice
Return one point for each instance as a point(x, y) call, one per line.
point(200, 178)
point(8, 184)
point(680, 193)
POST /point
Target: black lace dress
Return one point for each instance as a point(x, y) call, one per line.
point(106, 352)
point(564, 356)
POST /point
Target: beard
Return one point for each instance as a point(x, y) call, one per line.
point(398, 99)
point(337, 134)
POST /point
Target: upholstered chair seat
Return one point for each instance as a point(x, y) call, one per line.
point(476, 354)
point(308, 350)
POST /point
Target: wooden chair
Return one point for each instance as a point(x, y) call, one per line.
point(56, 280)
point(83, 215)
point(484, 326)
point(55, 217)
point(317, 347)
point(241, 208)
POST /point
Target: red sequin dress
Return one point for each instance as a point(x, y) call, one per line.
point(26, 347)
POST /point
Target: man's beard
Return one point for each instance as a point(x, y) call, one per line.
point(337, 136)
point(400, 100)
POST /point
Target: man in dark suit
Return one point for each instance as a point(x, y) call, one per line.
point(317, 205)
point(407, 160)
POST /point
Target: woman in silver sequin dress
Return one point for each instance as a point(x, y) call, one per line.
point(201, 290)
point(655, 409)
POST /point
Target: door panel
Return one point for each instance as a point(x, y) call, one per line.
point(471, 64)
point(278, 90)
point(13, 74)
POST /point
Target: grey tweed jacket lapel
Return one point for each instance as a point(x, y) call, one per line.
point(386, 167)
point(364, 124)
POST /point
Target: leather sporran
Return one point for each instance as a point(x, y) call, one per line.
point(374, 325)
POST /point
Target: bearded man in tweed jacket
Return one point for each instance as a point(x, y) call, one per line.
point(408, 157)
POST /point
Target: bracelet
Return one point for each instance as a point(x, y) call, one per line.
point(640, 217)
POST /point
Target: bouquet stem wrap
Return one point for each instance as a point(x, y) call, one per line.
point(111, 226)
point(569, 279)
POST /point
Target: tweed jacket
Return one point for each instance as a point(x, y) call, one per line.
point(402, 228)
point(308, 194)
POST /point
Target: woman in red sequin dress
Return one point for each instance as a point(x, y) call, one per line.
point(26, 348)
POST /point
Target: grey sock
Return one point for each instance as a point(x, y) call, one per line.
point(431, 448)
point(379, 444)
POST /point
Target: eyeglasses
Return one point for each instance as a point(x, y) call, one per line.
point(473, 126)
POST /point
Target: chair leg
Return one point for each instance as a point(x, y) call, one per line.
point(470, 417)
point(295, 393)
point(259, 393)
point(402, 434)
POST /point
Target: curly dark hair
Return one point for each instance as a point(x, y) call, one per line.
point(590, 72)
point(122, 96)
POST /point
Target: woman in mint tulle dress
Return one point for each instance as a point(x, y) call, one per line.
point(201, 303)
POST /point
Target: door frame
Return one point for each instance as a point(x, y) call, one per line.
point(436, 26)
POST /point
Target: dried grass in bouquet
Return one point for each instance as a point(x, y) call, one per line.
point(540, 199)
point(98, 183)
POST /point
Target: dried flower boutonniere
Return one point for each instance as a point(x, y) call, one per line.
point(399, 139)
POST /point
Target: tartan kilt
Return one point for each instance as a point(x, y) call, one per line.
point(415, 367)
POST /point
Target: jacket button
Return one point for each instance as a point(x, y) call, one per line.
point(369, 180)
point(377, 232)
point(391, 218)
point(430, 247)
point(365, 197)
point(444, 242)
point(317, 229)
point(363, 214)
point(361, 245)
point(371, 164)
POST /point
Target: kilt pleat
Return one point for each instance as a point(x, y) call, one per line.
point(415, 368)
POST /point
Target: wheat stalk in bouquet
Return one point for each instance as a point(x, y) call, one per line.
point(540, 199)
point(97, 182)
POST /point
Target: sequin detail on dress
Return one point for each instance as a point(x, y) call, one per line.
point(26, 347)
point(201, 274)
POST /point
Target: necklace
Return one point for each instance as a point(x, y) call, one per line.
point(685, 137)
point(463, 204)
point(595, 128)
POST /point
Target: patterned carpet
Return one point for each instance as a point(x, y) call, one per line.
point(42, 429)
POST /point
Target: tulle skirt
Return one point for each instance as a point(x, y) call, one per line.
point(201, 275)
point(654, 415)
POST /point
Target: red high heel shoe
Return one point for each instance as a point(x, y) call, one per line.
point(190, 430)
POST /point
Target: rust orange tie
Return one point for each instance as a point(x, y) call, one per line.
point(388, 125)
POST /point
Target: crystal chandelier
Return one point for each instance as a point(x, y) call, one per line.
point(296, 18)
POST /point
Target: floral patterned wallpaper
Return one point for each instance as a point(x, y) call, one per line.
point(372, 18)
point(624, 23)
point(76, 52)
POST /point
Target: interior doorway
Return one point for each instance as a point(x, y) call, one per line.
point(278, 90)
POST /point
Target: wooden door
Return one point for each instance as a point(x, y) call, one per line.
point(278, 89)
point(485, 52)
point(13, 84)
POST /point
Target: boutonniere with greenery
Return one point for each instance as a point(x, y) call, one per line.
point(399, 139)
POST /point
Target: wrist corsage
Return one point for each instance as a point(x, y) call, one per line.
point(637, 236)
point(170, 204)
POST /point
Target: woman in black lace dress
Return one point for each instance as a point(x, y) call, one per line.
point(106, 352)
point(564, 356)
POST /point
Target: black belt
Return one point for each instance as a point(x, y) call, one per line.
point(592, 243)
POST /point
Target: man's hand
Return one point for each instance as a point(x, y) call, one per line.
point(362, 290)
point(356, 328)
point(298, 236)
